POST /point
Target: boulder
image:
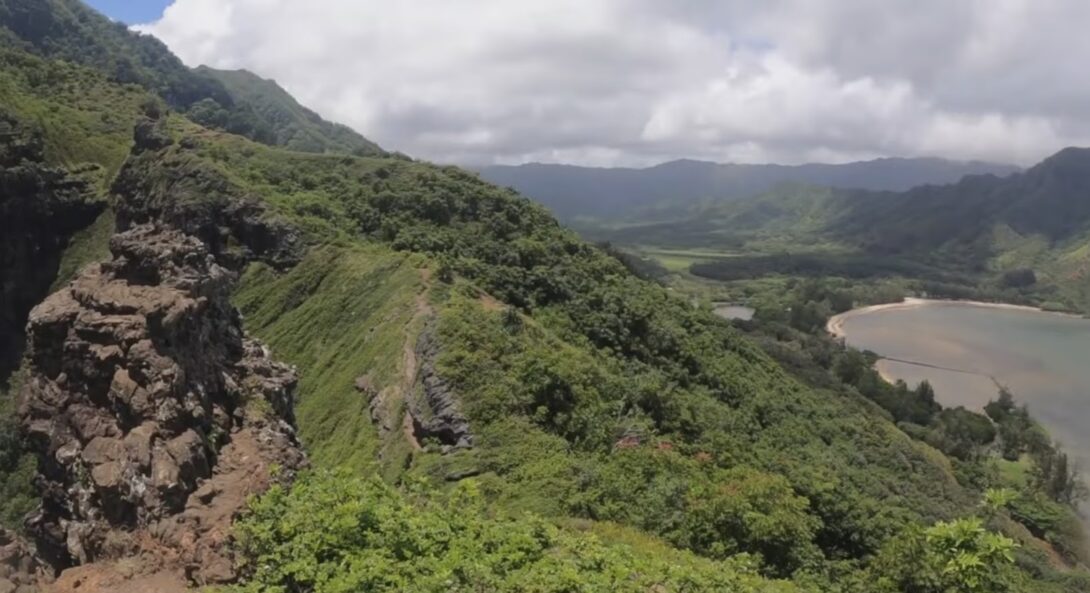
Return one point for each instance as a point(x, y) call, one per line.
point(103, 450)
point(107, 476)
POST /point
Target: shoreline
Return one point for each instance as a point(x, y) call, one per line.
point(883, 374)
point(835, 325)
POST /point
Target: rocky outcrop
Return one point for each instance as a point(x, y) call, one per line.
point(153, 415)
point(41, 208)
point(20, 569)
point(434, 406)
point(162, 183)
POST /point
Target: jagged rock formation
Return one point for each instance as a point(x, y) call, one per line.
point(40, 208)
point(434, 406)
point(158, 184)
point(153, 414)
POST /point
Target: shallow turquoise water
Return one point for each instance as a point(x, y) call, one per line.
point(1043, 358)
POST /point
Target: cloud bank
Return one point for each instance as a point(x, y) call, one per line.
point(635, 82)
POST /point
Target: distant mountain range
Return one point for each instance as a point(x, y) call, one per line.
point(1037, 220)
point(573, 192)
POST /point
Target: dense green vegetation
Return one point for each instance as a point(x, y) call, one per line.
point(810, 265)
point(84, 121)
point(624, 439)
point(956, 556)
point(639, 414)
point(341, 532)
point(16, 468)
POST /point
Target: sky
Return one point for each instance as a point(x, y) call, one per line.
point(637, 82)
point(132, 12)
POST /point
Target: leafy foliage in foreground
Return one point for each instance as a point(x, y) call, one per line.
point(342, 533)
point(958, 556)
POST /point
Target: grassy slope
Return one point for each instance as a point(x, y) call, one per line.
point(339, 315)
point(344, 312)
point(83, 118)
point(86, 123)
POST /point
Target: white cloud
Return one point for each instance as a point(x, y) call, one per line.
point(640, 81)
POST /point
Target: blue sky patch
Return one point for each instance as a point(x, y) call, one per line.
point(131, 12)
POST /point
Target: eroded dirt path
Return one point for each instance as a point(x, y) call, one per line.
point(393, 400)
point(423, 311)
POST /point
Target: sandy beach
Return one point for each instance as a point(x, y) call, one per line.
point(884, 374)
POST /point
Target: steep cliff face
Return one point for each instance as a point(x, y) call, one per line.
point(433, 405)
point(41, 207)
point(153, 414)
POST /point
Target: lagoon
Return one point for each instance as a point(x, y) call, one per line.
point(966, 350)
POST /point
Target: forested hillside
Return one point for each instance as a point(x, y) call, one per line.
point(487, 401)
point(70, 31)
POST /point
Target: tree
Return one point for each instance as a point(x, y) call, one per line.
point(1017, 431)
point(925, 393)
point(1055, 476)
point(1019, 278)
point(999, 409)
point(749, 510)
point(961, 433)
point(959, 556)
point(851, 366)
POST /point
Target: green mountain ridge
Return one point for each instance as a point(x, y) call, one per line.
point(489, 402)
point(296, 127)
point(70, 31)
